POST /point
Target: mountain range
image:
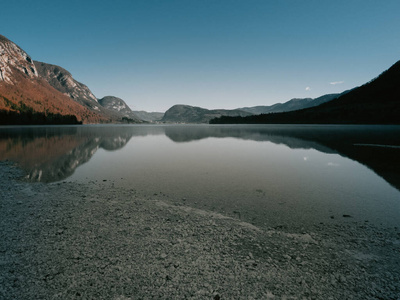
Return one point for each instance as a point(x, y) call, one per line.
point(293, 104)
point(192, 114)
point(33, 92)
point(376, 102)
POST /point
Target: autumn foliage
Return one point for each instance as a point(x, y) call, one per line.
point(35, 95)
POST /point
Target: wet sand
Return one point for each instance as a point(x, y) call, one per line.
point(96, 241)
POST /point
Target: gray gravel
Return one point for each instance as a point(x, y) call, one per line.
point(94, 241)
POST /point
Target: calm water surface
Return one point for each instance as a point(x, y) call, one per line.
point(265, 174)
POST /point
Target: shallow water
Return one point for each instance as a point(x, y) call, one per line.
point(265, 174)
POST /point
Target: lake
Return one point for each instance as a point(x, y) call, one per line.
point(268, 175)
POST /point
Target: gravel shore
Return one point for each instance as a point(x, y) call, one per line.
point(94, 241)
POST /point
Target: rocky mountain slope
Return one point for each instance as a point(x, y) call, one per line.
point(25, 92)
point(30, 88)
point(191, 114)
point(63, 81)
point(14, 58)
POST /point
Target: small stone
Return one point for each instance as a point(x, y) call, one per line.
point(250, 263)
point(163, 256)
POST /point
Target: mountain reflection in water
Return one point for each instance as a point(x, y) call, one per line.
point(50, 154)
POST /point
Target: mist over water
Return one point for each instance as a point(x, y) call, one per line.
point(269, 175)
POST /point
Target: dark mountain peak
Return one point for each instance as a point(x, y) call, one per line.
point(3, 38)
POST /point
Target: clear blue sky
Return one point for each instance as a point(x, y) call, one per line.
point(209, 53)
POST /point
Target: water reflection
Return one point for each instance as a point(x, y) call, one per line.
point(51, 154)
point(377, 147)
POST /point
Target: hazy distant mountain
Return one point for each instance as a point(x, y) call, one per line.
point(118, 106)
point(27, 98)
point(115, 103)
point(376, 102)
point(191, 114)
point(293, 104)
point(149, 116)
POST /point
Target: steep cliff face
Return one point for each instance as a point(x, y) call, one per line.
point(63, 81)
point(111, 108)
point(12, 59)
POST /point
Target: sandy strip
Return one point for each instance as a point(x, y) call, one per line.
point(94, 241)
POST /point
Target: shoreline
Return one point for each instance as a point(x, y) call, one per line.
point(95, 241)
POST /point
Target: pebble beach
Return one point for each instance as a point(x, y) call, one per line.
point(71, 240)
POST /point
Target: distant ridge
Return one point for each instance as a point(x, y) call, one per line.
point(376, 102)
point(192, 114)
point(293, 104)
point(149, 116)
